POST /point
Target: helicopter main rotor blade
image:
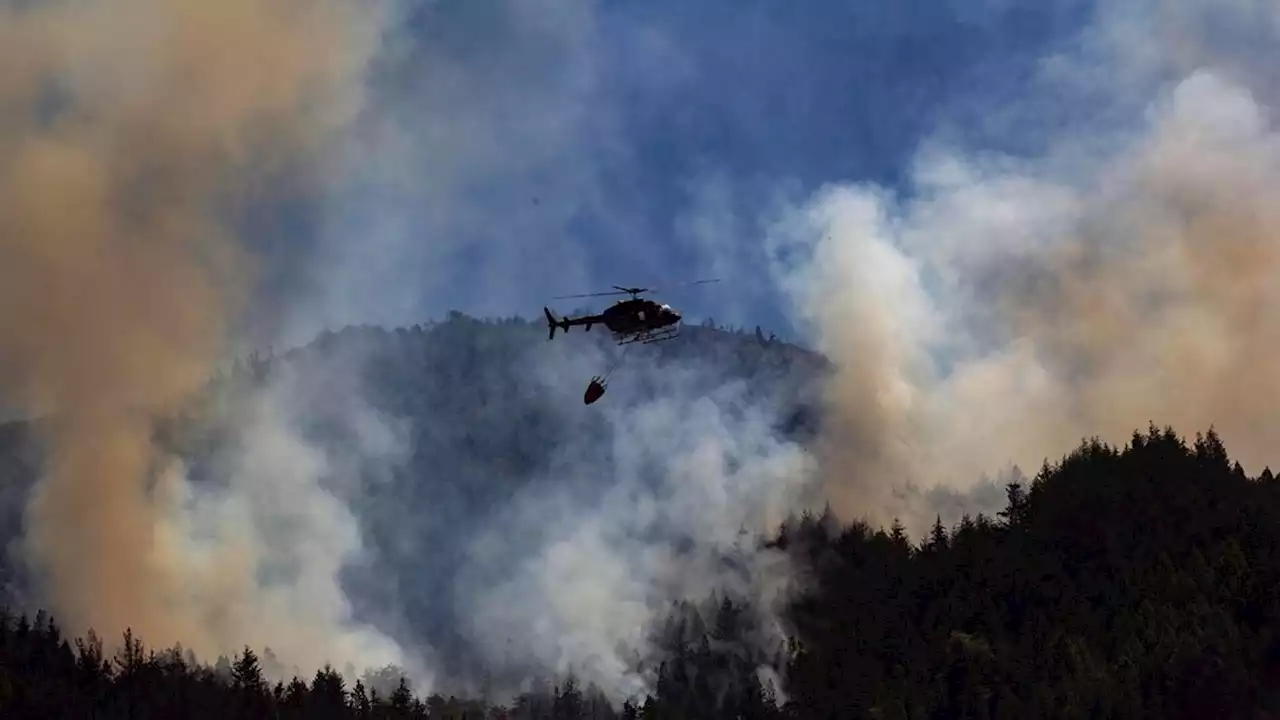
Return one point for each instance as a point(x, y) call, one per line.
point(686, 284)
point(587, 295)
point(619, 290)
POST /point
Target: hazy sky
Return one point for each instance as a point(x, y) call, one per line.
point(511, 151)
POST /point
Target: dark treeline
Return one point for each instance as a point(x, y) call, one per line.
point(1134, 582)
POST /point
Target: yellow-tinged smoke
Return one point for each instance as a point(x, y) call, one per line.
point(130, 132)
point(1068, 297)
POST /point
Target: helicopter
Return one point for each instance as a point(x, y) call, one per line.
point(636, 320)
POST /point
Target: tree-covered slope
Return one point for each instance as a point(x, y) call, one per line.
point(1119, 582)
point(1133, 582)
point(446, 439)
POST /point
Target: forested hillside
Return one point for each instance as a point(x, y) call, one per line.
point(443, 439)
point(1120, 582)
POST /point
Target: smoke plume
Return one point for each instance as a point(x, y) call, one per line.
point(577, 574)
point(1013, 306)
point(134, 134)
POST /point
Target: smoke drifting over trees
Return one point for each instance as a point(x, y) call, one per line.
point(1086, 292)
point(182, 180)
point(1117, 581)
point(482, 545)
point(136, 136)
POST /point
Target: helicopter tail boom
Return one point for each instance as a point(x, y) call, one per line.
point(566, 323)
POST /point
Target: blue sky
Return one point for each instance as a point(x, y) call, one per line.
point(512, 151)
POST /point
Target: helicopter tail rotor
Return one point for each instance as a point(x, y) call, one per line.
point(551, 324)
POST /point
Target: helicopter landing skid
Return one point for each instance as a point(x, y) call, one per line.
point(646, 338)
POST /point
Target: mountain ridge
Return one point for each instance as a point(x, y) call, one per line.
point(437, 433)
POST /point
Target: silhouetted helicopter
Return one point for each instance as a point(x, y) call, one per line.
point(634, 320)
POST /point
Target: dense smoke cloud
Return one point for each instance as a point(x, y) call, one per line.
point(1011, 307)
point(574, 575)
point(578, 575)
point(135, 133)
point(126, 275)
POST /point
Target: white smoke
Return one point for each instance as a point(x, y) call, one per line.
point(1011, 307)
point(266, 544)
point(576, 575)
